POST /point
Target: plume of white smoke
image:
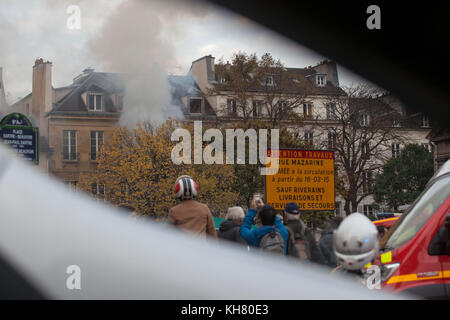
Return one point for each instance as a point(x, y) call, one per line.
point(137, 40)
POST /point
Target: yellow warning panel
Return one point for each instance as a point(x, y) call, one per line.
point(386, 257)
point(304, 176)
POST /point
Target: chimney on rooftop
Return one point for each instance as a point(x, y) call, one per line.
point(88, 70)
point(2, 94)
point(41, 94)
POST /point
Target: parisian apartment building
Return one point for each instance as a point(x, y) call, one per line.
point(75, 120)
point(318, 110)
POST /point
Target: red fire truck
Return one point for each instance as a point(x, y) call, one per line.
point(415, 255)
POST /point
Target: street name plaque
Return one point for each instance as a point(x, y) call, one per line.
point(18, 132)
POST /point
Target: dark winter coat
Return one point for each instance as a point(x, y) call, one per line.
point(229, 230)
point(326, 246)
point(299, 231)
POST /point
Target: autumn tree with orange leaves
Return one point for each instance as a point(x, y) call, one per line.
point(136, 169)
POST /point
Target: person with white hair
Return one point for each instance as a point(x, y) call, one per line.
point(229, 229)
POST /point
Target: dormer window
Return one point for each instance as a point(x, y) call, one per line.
point(195, 105)
point(321, 80)
point(425, 122)
point(95, 101)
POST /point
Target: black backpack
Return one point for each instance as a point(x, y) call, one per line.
point(272, 242)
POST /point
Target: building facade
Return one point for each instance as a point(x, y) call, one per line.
point(75, 120)
point(318, 107)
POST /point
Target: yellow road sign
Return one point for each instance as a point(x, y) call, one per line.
point(304, 176)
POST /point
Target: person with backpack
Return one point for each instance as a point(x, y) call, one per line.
point(191, 215)
point(302, 243)
point(272, 236)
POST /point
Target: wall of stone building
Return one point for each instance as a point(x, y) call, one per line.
point(69, 170)
point(318, 105)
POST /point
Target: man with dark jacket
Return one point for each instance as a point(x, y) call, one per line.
point(302, 243)
point(270, 222)
point(229, 229)
point(326, 242)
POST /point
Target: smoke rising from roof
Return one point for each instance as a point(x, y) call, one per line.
point(137, 40)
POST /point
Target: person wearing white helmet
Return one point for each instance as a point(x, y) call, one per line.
point(355, 244)
point(191, 215)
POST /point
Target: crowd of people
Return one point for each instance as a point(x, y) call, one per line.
point(261, 229)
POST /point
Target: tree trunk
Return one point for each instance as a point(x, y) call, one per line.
point(347, 207)
point(354, 205)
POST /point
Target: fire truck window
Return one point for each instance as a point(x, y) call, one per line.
point(438, 246)
point(424, 208)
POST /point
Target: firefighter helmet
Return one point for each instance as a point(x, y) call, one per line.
point(355, 242)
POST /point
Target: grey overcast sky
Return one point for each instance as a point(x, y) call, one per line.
point(130, 36)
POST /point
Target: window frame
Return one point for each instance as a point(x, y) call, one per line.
point(395, 151)
point(201, 105)
point(368, 182)
point(98, 145)
point(364, 119)
point(307, 110)
point(331, 137)
point(99, 197)
point(425, 122)
point(72, 155)
point(269, 83)
point(309, 137)
point(321, 80)
point(368, 212)
point(331, 111)
point(95, 94)
point(256, 106)
point(231, 107)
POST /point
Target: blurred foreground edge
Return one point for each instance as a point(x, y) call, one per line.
point(47, 231)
